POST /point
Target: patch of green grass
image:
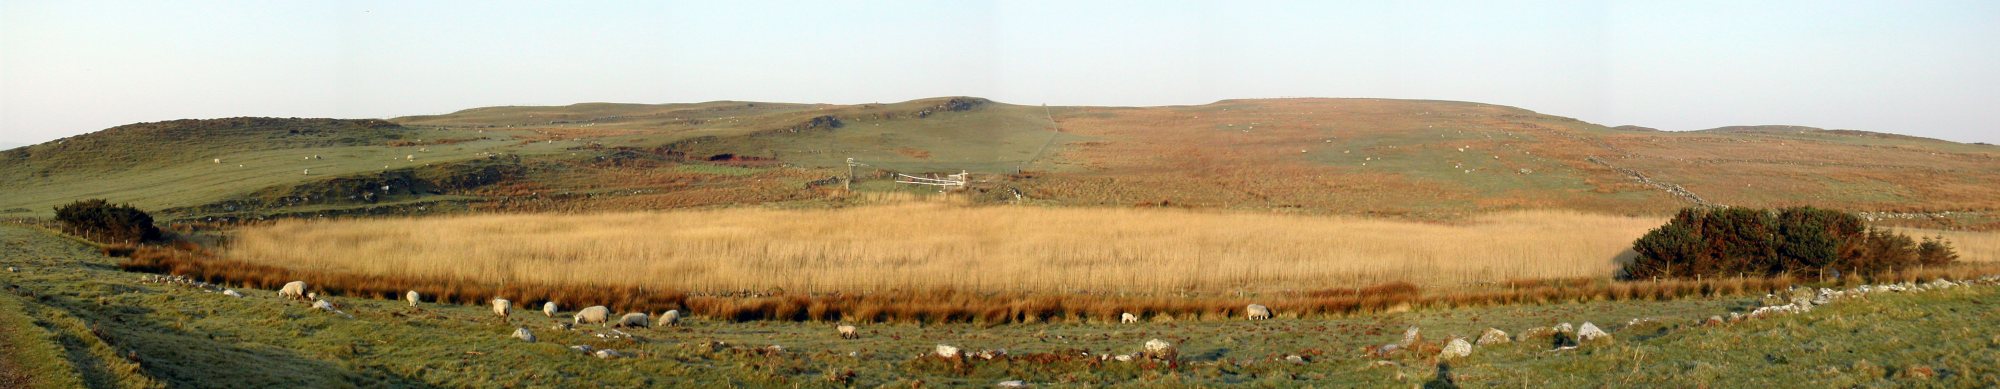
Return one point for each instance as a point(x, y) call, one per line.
point(31, 351)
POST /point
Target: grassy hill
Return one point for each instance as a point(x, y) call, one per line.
point(1407, 158)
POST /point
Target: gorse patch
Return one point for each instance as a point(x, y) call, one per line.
point(104, 221)
point(1710, 242)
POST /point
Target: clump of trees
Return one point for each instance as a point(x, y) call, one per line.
point(100, 220)
point(1711, 242)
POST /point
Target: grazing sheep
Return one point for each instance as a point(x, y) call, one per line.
point(1128, 318)
point(1258, 312)
point(608, 354)
point(946, 352)
point(502, 307)
point(848, 332)
point(293, 290)
point(633, 320)
point(523, 334)
point(593, 315)
point(671, 318)
point(413, 297)
point(322, 305)
point(549, 309)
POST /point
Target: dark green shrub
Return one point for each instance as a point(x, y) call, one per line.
point(103, 221)
point(1752, 242)
point(1936, 251)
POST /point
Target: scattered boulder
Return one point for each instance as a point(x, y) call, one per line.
point(1411, 336)
point(1384, 351)
point(560, 326)
point(1712, 321)
point(1565, 328)
point(293, 290)
point(326, 306)
point(232, 293)
point(10, 269)
point(1011, 384)
point(1493, 336)
point(1258, 312)
point(593, 315)
point(1536, 333)
point(524, 335)
point(1457, 348)
point(1295, 359)
point(1590, 333)
point(607, 354)
point(1160, 349)
point(633, 320)
point(945, 351)
point(582, 348)
point(848, 332)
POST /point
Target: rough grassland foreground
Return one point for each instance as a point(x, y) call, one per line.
point(117, 332)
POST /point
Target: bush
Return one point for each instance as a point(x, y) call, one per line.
point(1802, 241)
point(103, 221)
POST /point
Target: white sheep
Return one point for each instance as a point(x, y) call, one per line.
point(848, 332)
point(293, 290)
point(1258, 312)
point(593, 315)
point(1128, 318)
point(523, 334)
point(549, 309)
point(633, 320)
point(671, 318)
point(502, 307)
point(413, 297)
point(232, 293)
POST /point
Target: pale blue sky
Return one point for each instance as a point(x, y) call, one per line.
point(1929, 68)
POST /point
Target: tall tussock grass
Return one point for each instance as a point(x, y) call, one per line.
point(928, 246)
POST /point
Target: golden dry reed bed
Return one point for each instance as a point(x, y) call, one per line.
point(913, 247)
point(931, 246)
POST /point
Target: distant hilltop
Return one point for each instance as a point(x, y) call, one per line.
point(1419, 159)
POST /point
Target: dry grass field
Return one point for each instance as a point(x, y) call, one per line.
point(931, 246)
